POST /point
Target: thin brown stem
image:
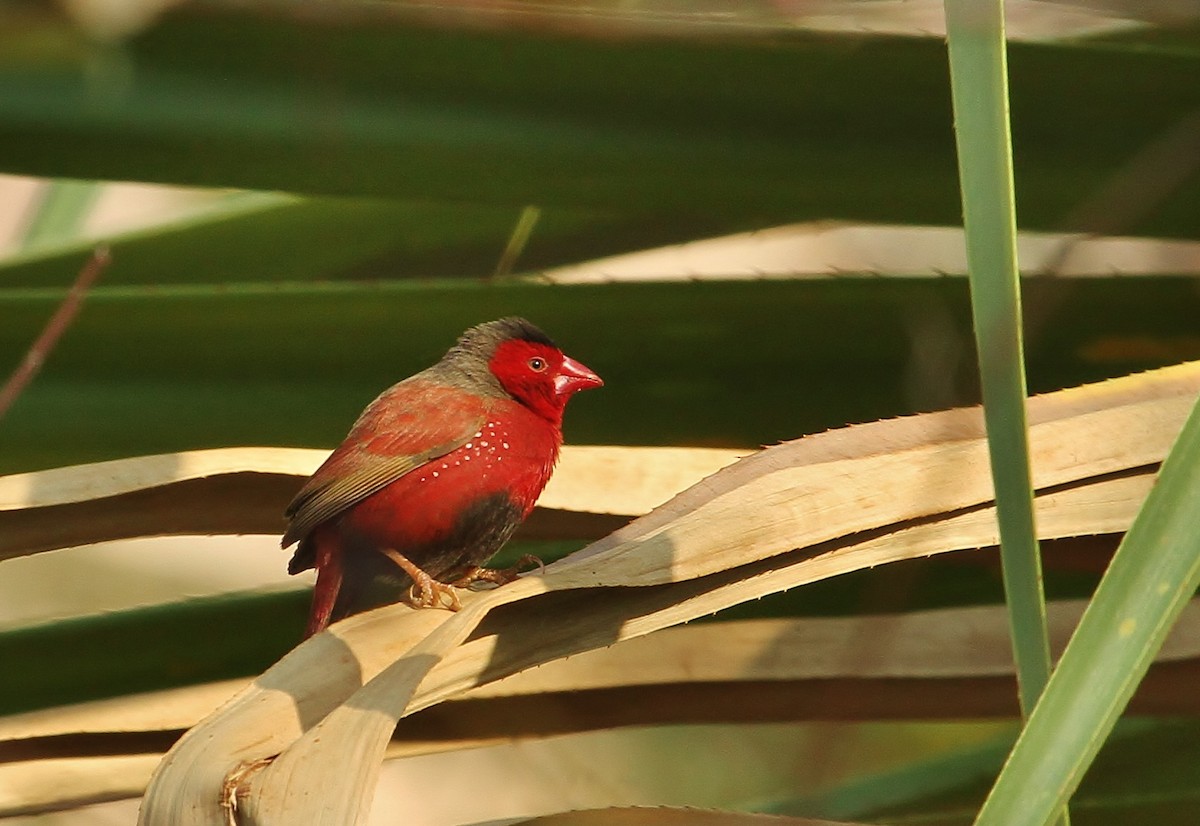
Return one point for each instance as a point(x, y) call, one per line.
point(54, 329)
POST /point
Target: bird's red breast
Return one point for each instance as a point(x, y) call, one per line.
point(508, 450)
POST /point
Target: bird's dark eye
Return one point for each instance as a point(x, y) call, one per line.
point(537, 364)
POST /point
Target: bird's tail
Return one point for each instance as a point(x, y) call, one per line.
point(328, 558)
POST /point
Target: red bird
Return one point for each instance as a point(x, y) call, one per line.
point(435, 475)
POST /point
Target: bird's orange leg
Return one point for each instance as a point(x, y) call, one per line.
point(499, 576)
point(426, 592)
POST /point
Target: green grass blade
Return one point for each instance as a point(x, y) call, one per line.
point(980, 94)
point(1154, 573)
point(61, 211)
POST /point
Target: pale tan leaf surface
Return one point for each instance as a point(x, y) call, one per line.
point(956, 642)
point(950, 664)
point(849, 483)
point(166, 710)
point(245, 490)
point(1168, 393)
point(46, 785)
point(948, 643)
point(736, 527)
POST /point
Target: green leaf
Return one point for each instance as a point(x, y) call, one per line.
point(262, 237)
point(1147, 772)
point(154, 369)
point(1155, 571)
point(979, 82)
point(148, 648)
point(747, 132)
point(61, 210)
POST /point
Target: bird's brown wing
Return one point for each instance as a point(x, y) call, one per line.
point(410, 424)
point(324, 498)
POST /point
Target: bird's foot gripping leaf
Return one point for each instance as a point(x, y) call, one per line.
point(502, 575)
point(426, 592)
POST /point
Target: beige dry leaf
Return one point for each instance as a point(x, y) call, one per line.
point(802, 511)
point(335, 700)
point(942, 664)
point(244, 490)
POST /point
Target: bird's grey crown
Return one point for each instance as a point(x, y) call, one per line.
point(482, 339)
point(466, 363)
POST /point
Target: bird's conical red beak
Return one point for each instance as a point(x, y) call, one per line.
point(573, 376)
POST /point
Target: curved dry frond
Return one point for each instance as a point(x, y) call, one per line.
point(838, 497)
point(940, 664)
point(32, 787)
point(245, 490)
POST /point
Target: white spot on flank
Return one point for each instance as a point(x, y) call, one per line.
point(469, 445)
point(506, 445)
point(435, 473)
point(483, 444)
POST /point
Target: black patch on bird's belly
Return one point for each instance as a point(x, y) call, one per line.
point(478, 533)
point(372, 579)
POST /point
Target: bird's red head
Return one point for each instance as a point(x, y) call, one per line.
point(540, 376)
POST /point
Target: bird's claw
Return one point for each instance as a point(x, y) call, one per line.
point(425, 591)
point(500, 576)
point(527, 559)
